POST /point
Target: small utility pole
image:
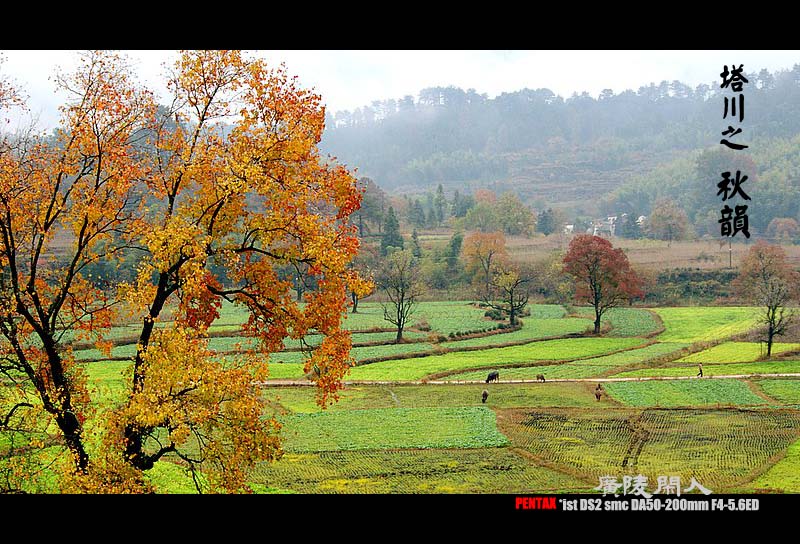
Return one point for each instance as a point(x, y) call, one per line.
point(730, 255)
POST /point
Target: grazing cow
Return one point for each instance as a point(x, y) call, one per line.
point(540, 377)
point(494, 376)
point(598, 393)
point(484, 396)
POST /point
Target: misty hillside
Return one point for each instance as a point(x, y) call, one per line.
point(548, 148)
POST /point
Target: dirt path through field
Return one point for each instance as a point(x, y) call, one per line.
point(277, 383)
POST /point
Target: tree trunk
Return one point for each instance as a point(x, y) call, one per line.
point(399, 335)
point(71, 428)
point(597, 315)
point(512, 316)
point(770, 336)
point(354, 297)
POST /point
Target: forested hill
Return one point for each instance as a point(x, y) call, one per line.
point(547, 147)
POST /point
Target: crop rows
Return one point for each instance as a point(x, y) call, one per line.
point(719, 448)
point(488, 470)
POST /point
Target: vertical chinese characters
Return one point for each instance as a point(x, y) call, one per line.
point(734, 219)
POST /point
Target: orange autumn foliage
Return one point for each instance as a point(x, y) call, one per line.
point(229, 174)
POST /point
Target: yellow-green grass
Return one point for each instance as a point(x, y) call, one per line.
point(698, 392)
point(737, 352)
point(624, 321)
point(726, 369)
point(415, 369)
point(484, 470)
point(705, 323)
point(361, 397)
point(585, 368)
point(783, 476)
point(720, 448)
point(386, 428)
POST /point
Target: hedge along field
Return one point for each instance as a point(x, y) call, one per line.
point(683, 393)
point(786, 391)
point(725, 369)
point(415, 369)
point(486, 470)
point(585, 368)
point(783, 476)
point(720, 448)
point(385, 428)
point(624, 321)
point(704, 323)
point(737, 352)
point(361, 397)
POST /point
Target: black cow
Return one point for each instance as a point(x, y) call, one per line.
point(484, 396)
point(540, 377)
point(494, 376)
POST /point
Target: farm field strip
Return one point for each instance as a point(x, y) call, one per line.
point(582, 368)
point(683, 392)
point(712, 370)
point(737, 352)
point(696, 324)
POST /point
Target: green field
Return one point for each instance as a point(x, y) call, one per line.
point(704, 323)
point(363, 397)
point(415, 369)
point(785, 390)
point(783, 477)
point(697, 392)
point(386, 428)
point(553, 437)
point(737, 352)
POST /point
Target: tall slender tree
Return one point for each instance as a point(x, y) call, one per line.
point(767, 279)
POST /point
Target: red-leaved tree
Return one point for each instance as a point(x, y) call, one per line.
point(603, 276)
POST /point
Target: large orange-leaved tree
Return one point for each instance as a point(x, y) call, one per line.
point(210, 195)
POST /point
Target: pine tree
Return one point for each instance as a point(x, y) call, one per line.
point(391, 232)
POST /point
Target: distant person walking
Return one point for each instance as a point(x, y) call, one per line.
point(700, 374)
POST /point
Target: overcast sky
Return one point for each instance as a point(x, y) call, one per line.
point(349, 79)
